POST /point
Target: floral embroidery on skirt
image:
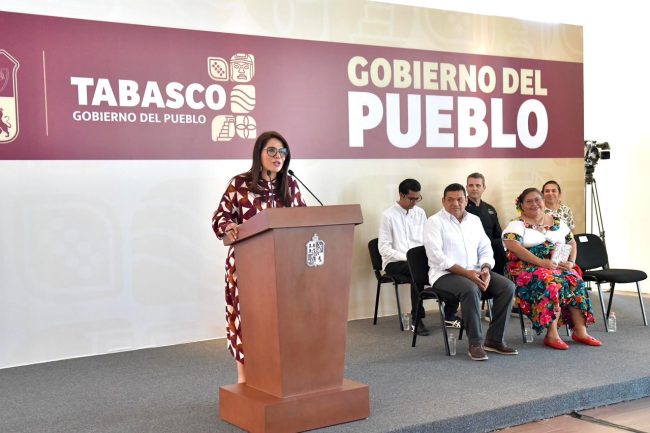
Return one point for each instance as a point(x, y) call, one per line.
point(544, 293)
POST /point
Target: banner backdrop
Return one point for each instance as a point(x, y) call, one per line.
point(75, 89)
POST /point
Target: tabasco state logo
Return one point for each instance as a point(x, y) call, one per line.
point(8, 97)
point(231, 94)
point(241, 70)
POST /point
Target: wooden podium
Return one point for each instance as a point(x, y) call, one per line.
point(293, 273)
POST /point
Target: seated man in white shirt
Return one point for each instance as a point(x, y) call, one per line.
point(400, 230)
point(460, 262)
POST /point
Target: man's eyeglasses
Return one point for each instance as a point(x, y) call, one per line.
point(272, 151)
point(413, 199)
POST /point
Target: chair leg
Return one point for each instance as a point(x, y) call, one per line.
point(399, 308)
point(611, 298)
point(416, 322)
point(523, 327)
point(374, 322)
point(602, 305)
point(489, 305)
point(638, 289)
point(462, 326)
point(441, 306)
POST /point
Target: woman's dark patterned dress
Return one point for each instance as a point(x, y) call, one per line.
point(238, 205)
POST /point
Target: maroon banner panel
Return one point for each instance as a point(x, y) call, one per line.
point(76, 89)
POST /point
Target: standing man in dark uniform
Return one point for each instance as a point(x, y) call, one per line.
point(488, 215)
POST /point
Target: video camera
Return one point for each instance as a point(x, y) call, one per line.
point(594, 151)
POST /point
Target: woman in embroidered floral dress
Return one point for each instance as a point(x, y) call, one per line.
point(554, 206)
point(549, 293)
point(266, 184)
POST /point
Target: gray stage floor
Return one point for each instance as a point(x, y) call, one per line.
point(175, 389)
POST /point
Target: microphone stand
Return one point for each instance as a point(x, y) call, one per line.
point(312, 194)
point(272, 195)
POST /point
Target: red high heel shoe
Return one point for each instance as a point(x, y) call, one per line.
point(556, 344)
point(589, 340)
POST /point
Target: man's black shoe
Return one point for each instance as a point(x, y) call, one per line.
point(422, 330)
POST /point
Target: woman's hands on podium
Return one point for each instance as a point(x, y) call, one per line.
point(232, 230)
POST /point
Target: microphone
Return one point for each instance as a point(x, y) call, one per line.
point(312, 194)
point(268, 173)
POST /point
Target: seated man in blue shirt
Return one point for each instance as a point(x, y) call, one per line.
point(460, 262)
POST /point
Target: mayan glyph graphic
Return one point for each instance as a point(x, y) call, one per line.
point(242, 98)
point(223, 128)
point(245, 126)
point(239, 122)
point(218, 69)
point(242, 67)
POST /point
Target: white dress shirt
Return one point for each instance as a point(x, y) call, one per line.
point(449, 242)
point(399, 231)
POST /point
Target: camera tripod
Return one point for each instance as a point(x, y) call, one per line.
point(594, 201)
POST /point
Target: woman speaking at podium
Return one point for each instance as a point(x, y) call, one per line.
point(266, 184)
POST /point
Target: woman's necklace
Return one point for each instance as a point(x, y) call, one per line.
point(538, 225)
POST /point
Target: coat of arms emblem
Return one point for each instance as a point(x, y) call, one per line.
point(315, 252)
point(8, 97)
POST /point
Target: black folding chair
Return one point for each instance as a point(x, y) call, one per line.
point(419, 267)
point(592, 254)
point(384, 277)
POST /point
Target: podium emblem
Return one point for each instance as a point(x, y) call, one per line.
point(315, 252)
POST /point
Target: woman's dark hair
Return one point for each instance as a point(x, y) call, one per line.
point(520, 198)
point(554, 183)
point(253, 175)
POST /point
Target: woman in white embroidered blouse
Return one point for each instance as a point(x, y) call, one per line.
point(549, 292)
point(553, 202)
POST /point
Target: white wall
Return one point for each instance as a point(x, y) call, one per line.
point(114, 255)
point(616, 110)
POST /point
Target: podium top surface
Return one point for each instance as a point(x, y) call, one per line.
point(286, 217)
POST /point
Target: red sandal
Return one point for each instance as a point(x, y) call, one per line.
point(556, 344)
point(589, 340)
